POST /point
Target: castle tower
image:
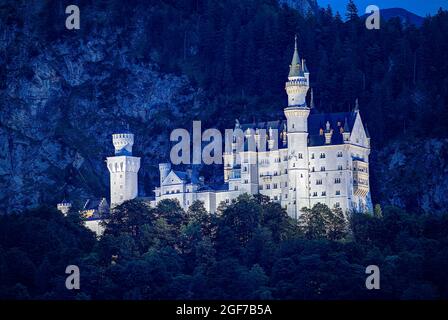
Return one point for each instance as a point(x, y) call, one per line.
point(249, 164)
point(64, 207)
point(164, 169)
point(298, 80)
point(123, 168)
point(297, 114)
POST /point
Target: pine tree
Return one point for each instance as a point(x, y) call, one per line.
point(312, 222)
point(336, 224)
point(378, 212)
point(322, 222)
point(352, 11)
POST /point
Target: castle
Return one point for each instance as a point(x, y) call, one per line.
point(308, 158)
point(315, 158)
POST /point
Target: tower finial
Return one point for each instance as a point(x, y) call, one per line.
point(356, 105)
point(295, 67)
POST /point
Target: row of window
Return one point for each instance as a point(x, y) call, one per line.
point(361, 169)
point(172, 191)
point(299, 156)
point(336, 181)
point(324, 193)
point(286, 170)
point(361, 181)
point(275, 173)
point(274, 186)
point(323, 168)
point(318, 182)
point(336, 205)
point(323, 156)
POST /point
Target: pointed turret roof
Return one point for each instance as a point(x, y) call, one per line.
point(295, 68)
point(304, 67)
point(356, 105)
point(367, 132)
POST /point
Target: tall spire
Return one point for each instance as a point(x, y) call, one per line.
point(304, 67)
point(356, 105)
point(295, 68)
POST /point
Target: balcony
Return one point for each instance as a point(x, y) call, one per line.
point(360, 178)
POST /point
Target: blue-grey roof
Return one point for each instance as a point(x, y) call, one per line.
point(182, 175)
point(316, 121)
point(92, 204)
point(95, 205)
point(278, 125)
point(123, 152)
point(189, 177)
point(336, 120)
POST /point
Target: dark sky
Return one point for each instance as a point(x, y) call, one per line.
point(420, 7)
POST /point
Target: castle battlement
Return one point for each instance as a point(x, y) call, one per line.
point(64, 207)
point(123, 143)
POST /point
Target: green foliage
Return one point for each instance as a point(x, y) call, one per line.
point(322, 222)
point(352, 11)
point(252, 250)
point(35, 248)
point(377, 211)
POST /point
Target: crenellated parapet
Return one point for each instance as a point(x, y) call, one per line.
point(123, 143)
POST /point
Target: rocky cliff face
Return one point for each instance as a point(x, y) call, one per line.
point(412, 175)
point(61, 102)
point(303, 6)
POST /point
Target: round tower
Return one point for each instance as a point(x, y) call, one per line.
point(164, 169)
point(297, 114)
point(123, 169)
point(298, 80)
